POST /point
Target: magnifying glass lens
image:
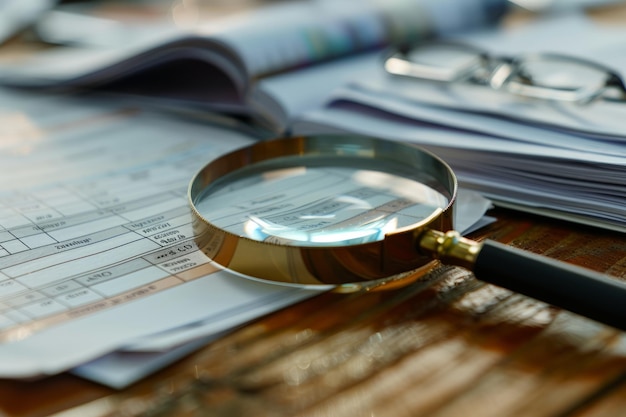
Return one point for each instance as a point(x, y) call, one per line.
point(326, 209)
point(321, 201)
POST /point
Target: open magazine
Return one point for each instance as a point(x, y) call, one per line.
point(221, 66)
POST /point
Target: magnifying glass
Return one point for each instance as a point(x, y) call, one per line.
point(353, 212)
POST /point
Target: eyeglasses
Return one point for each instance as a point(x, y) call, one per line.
point(544, 75)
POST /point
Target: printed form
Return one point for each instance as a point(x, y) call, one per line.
point(97, 254)
point(94, 227)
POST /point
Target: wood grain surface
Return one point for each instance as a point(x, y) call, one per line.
point(447, 345)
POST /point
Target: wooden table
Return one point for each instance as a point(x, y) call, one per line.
point(447, 345)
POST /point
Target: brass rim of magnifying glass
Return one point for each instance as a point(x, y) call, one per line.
point(397, 255)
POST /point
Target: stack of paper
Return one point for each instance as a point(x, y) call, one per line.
point(96, 247)
point(97, 253)
point(566, 160)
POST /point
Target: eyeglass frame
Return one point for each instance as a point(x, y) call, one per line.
point(501, 72)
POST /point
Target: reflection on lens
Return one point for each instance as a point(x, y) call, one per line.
point(318, 205)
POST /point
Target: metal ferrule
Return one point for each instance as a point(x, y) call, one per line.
point(450, 247)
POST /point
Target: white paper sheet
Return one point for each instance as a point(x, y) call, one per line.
point(589, 188)
point(562, 160)
point(96, 246)
point(145, 355)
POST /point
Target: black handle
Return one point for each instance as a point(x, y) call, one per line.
point(573, 288)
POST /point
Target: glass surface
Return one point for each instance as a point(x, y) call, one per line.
point(325, 202)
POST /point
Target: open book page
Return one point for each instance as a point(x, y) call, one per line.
point(213, 65)
point(96, 245)
point(279, 44)
point(296, 34)
point(166, 63)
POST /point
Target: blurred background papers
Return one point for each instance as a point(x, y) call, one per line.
point(99, 23)
point(565, 160)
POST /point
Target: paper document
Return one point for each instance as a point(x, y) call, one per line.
point(96, 246)
point(562, 159)
point(144, 355)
